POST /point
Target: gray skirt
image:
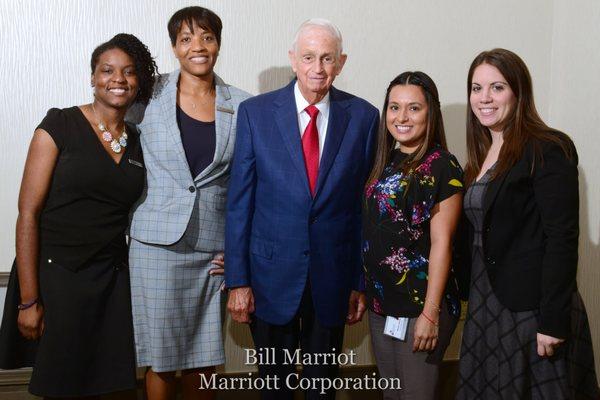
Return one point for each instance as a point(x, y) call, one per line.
point(499, 357)
point(177, 306)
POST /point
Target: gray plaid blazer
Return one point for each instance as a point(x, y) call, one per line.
point(163, 212)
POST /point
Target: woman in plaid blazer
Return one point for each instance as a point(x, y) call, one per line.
point(187, 134)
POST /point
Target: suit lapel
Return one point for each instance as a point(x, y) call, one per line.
point(336, 128)
point(223, 118)
point(286, 118)
point(169, 104)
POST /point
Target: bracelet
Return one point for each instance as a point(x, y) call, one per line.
point(429, 319)
point(437, 307)
point(25, 306)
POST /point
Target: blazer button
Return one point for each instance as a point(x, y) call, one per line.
point(313, 220)
point(306, 253)
point(192, 189)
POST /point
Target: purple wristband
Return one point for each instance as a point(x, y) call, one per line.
point(25, 306)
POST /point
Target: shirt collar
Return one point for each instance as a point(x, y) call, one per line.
point(301, 102)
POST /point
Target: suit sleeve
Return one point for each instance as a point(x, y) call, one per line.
point(556, 189)
point(240, 205)
point(369, 157)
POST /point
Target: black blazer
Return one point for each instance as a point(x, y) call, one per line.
point(530, 236)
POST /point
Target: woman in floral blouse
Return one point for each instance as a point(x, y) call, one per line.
point(413, 202)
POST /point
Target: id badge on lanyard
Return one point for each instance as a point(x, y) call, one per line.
point(396, 327)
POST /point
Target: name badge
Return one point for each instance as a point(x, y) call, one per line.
point(396, 327)
point(136, 163)
point(227, 110)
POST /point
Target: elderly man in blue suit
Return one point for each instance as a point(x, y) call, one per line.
point(293, 225)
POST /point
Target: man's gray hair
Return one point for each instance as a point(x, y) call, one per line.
point(321, 23)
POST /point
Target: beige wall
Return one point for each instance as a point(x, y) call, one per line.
point(45, 47)
point(574, 107)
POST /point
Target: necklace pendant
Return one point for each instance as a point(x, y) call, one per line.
point(123, 141)
point(106, 136)
point(115, 146)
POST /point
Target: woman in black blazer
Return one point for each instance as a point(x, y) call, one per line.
point(526, 335)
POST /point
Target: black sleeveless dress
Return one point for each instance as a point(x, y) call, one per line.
point(87, 345)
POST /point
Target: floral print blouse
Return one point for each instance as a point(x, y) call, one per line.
point(396, 232)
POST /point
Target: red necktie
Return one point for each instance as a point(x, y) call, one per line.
point(310, 148)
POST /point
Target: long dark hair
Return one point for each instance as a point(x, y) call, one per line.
point(434, 134)
point(523, 124)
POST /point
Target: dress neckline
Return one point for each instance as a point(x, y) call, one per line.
point(91, 131)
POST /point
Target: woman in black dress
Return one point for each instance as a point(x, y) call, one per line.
point(67, 311)
point(413, 203)
point(526, 335)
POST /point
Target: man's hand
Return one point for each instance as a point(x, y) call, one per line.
point(356, 307)
point(241, 304)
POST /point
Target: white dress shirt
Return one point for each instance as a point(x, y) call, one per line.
point(304, 118)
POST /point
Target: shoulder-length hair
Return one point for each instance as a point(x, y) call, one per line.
point(522, 125)
point(434, 134)
point(145, 66)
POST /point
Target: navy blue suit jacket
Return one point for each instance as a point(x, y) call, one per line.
point(277, 235)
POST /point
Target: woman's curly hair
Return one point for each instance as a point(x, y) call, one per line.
point(145, 67)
